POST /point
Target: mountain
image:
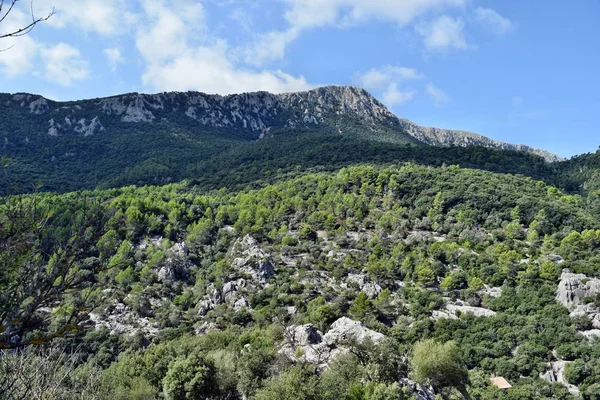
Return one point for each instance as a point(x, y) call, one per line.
point(159, 138)
point(316, 247)
point(251, 115)
point(447, 137)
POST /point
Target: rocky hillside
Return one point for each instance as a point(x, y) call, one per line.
point(329, 282)
point(342, 110)
point(448, 137)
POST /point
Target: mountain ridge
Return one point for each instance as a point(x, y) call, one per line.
point(253, 115)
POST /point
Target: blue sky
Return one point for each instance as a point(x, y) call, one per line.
point(517, 71)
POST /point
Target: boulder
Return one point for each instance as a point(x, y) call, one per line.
point(233, 295)
point(346, 330)
point(211, 300)
point(573, 288)
point(304, 343)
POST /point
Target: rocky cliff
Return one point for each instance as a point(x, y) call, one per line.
point(342, 110)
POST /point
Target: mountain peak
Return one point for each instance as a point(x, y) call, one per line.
point(253, 115)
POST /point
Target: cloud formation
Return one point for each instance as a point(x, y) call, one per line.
point(114, 57)
point(103, 17)
point(303, 15)
point(63, 64)
point(437, 94)
point(389, 81)
point(176, 59)
point(492, 21)
point(443, 33)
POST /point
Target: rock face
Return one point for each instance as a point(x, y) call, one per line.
point(572, 290)
point(556, 373)
point(346, 330)
point(253, 114)
point(304, 343)
point(447, 137)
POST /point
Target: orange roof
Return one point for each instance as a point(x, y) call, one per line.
point(500, 382)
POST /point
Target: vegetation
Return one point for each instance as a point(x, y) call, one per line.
point(118, 298)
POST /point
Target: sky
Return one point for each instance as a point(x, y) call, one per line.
point(517, 71)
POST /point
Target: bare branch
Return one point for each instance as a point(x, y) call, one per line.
point(26, 29)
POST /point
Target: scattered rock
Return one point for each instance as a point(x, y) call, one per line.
point(252, 260)
point(370, 288)
point(121, 320)
point(556, 373)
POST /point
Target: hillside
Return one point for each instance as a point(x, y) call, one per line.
point(167, 137)
point(323, 285)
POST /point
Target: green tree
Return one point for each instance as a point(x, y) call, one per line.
point(439, 365)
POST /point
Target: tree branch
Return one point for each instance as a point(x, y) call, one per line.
point(28, 28)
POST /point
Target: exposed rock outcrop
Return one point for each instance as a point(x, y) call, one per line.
point(177, 264)
point(346, 330)
point(250, 259)
point(452, 310)
point(556, 373)
point(120, 319)
point(571, 292)
point(370, 288)
point(448, 137)
point(573, 288)
point(304, 343)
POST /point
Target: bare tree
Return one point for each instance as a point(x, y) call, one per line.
point(7, 6)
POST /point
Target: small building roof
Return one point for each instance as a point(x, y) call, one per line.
point(500, 382)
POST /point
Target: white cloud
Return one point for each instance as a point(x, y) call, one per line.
point(376, 78)
point(443, 33)
point(307, 14)
point(314, 13)
point(270, 46)
point(114, 57)
point(104, 17)
point(174, 63)
point(17, 54)
point(388, 81)
point(494, 22)
point(437, 94)
point(209, 70)
point(393, 96)
point(63, 64)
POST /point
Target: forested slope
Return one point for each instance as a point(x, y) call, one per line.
point(179, 292)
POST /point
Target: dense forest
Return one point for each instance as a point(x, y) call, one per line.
point(299, 278)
